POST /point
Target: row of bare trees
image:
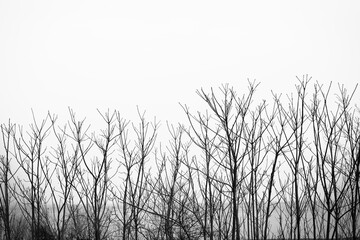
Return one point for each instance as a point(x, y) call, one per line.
point(285, 168)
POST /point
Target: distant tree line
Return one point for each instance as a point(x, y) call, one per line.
point(287, 168)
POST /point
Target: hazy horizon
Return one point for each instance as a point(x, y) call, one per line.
point(119, 55)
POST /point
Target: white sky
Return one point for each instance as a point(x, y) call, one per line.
point(155, 54)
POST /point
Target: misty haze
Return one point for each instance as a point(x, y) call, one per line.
point(192, 120)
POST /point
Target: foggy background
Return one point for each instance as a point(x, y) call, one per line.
point(155, 54)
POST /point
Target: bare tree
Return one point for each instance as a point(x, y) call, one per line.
point(92, 176)
point(59, 173)
point(278, 142)
point(297, 124)
point(229, 174)
point(6, 176)
point(352, 152)
point(145, 139)
point(230, 114)
point(205, 138)
point(131, 198)
point(30, 152)
point(328, 127)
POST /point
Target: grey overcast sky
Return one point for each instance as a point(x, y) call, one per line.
point(155, 54)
